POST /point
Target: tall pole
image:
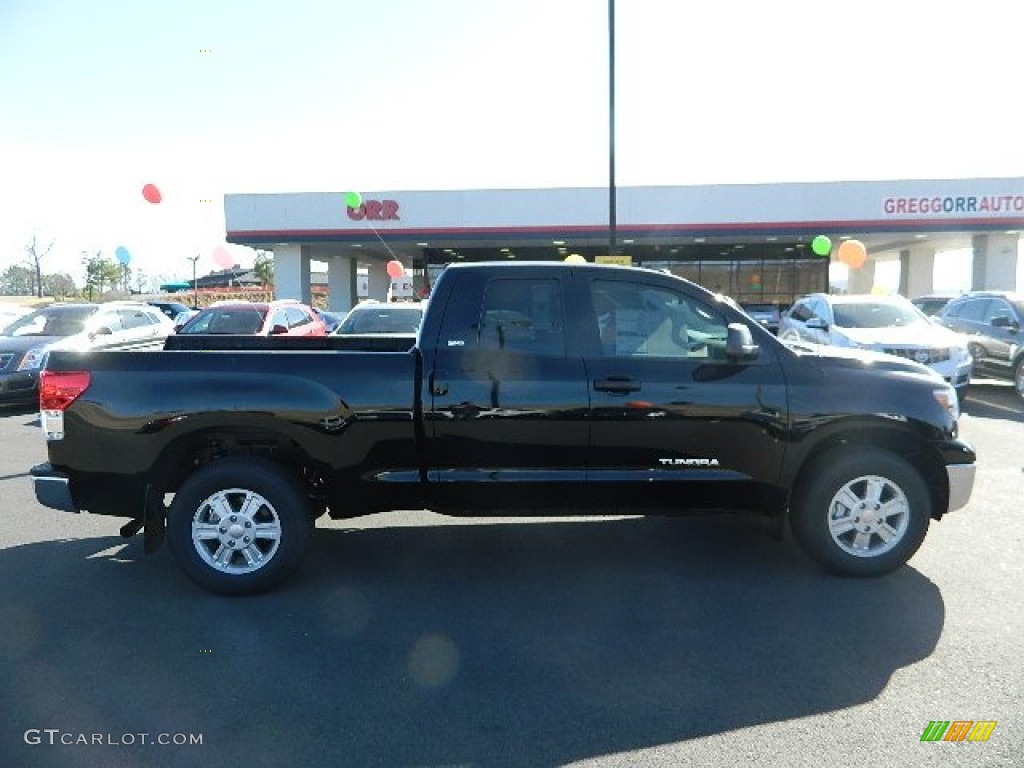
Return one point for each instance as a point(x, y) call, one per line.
point(195, 284)
point(611, 128)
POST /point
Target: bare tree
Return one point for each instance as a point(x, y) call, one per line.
point(36, 256)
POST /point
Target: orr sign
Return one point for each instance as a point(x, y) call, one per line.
point(374, 210)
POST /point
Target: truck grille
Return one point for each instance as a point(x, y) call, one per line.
point(919, 354)
point(5, 360)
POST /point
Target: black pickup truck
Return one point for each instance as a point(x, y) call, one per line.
point(543, 388)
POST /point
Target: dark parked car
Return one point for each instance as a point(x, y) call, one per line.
point(766, 314)
point(170, 308)
point(933, 304)
point(993, 322)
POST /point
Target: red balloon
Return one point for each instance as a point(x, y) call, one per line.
point(151, 193)
point(395, 269)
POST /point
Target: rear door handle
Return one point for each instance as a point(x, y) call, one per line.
point(617, 385)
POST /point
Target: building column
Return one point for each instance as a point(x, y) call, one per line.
point(995, 262)
point(917, 271)
point(341, 283)
point(862, 280)
point(379, 282)
point(291, 273)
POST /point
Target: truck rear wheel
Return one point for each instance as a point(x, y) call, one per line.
point(861, 513)
point(239, 526)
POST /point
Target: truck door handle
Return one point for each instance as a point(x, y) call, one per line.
point(617, 385)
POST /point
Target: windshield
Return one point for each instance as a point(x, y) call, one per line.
point(383, 319)
point(245, 320)
point(875, 315)
point(51, 321)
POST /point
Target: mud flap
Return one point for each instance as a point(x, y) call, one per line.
point(155, 519)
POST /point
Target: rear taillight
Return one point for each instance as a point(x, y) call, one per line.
point(59, 389)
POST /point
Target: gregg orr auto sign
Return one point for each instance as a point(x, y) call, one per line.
point(938, 205)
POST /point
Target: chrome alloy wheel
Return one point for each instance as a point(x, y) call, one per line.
point(236, 531)
point(868, 516)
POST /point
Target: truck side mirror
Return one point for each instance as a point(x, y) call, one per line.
point(278, 330)
point(739, 344)
point(817, 323)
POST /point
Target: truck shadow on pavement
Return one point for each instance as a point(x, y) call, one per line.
point(458, 643)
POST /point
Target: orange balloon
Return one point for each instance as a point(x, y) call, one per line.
point(852, 253)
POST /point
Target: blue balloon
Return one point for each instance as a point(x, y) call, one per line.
point(122, 254)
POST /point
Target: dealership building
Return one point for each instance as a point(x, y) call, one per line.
point(751, 241)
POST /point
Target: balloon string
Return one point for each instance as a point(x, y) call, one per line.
point(382, 241)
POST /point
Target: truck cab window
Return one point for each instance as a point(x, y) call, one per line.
point(523, 316)
point(639, 320)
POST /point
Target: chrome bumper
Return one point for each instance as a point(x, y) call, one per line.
point(53, 489)
point(961, 483)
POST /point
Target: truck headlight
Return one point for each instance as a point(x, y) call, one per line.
point(33, 359)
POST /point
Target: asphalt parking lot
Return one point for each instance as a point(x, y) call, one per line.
point(408, 639)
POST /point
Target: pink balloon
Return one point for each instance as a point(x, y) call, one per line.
point(395, 269)
point(222, 257)
point(152, 193)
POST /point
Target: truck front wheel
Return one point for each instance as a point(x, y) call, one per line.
point(861, 513)
point(239, 526)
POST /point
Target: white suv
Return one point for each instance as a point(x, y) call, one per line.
point(888, 324)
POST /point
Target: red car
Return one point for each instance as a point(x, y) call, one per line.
point(276, 318)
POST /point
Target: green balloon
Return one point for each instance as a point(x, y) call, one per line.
point(353, 199)
point(821, 245)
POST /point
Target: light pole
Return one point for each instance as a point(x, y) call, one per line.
point(611, 128)
point(195, 285)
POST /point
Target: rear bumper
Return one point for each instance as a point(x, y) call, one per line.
point(53, 488)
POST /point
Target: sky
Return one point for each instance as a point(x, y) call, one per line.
point(204, 98)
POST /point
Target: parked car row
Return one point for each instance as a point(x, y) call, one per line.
point(993, 323)
point(274, 318)
point(886, 324)
point(25, 343)
point(26, 337)
point(975, 334)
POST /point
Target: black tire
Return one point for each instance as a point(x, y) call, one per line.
point(245, 513)
point(1018, 378)
point(861, 512)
